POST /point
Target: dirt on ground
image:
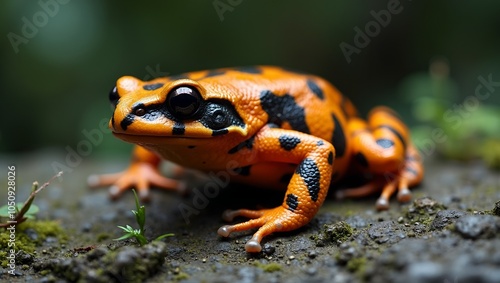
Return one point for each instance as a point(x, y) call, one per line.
point(449, 232)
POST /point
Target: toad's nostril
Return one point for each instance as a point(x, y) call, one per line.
point(139, 112)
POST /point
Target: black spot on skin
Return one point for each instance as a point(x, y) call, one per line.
point(361, 159)
point(320, 143)
point(338, 139)
point(398, 134)
point(178, 129)
point(330, 158)
point(412, 171)
point(283, 109)
point(309, 172)
point(288, 142)
point(214, 73)
point(152, 86)
point(219, 132)
point(385, 143)
point(249, 69)
point(285, 179)
point(410, 158)
point(191, 146)
point(248, 144)
point(315, 89)
point(129, 119)
point(243, 171)
point(292, 201)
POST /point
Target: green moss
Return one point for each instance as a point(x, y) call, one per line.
point(496, 210)
point(41, 228)
point(103, 236)
point(129, 263)
point(181, 276)
point(45, 228)
point(350, 213)
point(423, 210)
point(357, 264)
point(338, 232)
point(315, 237)
point(333, 233)
point(3, 256)
point(427, 221)
point(270, 267)
point(490, 152)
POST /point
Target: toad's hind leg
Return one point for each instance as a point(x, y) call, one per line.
point(382, 147)
point(410, 175)
point(306, 190)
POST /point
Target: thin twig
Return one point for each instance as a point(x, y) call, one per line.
point(27, 204)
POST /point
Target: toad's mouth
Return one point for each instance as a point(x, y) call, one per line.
point(151, 139)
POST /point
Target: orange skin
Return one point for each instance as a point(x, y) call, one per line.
point(271, 125)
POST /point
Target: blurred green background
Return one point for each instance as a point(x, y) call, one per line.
point(56, 74)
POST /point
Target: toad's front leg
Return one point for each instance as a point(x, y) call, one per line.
point(142, 173)
point(305, 193)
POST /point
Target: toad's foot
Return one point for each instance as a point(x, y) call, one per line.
point(268, 221)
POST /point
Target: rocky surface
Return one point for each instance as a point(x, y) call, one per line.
point(448, 233)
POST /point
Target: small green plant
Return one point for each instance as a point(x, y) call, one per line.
point(450, 124)
point(140, 217)
point(26, 210)
point(30, 213)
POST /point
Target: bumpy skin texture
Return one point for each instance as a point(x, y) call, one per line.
point(267, 126)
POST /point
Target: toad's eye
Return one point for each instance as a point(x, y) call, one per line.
point(184, 101)
point(113, 96)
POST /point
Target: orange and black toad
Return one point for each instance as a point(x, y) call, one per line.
point(284, 130)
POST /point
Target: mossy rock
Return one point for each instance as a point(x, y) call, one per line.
point(334, 233)
point(423, 210)
point(29, 235)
